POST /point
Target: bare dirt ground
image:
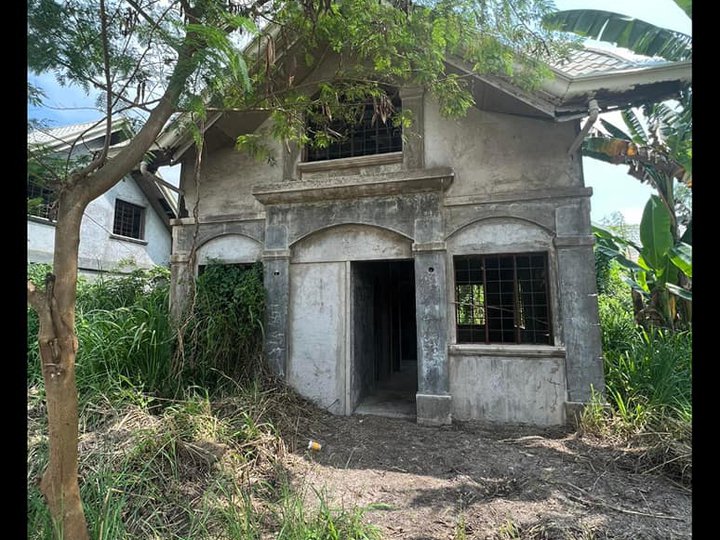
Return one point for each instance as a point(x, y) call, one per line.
point(487, 482)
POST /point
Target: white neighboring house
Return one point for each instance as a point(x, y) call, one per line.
point(127, 227)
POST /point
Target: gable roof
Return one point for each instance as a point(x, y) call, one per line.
point(614, 80)
point(89, 137)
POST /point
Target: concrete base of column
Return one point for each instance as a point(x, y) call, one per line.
point(433, 409)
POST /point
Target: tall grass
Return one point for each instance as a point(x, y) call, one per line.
point(168, 454)
point(648, 373)
point(648, 384)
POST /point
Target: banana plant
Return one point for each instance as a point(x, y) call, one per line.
point(657, 140)
point(655, 276)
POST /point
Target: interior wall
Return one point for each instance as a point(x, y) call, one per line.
point(364, 338)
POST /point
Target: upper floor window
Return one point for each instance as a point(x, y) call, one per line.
point(41, 201)
point(374, 131)
point(502, 299)
point(129, 220)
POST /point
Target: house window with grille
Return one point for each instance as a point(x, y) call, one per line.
point(373, 133)
point(41, 201)
point(502, 299)
point(129, 220)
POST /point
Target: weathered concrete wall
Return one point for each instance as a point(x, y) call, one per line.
point(508, 389)
point(99, 249)
point(320, 337)
point(352, 243)
point(227, 176)
point(494, 153)
point(316, 360)
point(230, 249)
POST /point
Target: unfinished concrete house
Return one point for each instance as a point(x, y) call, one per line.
point(444, 272)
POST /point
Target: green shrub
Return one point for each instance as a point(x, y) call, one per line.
point(224, 335)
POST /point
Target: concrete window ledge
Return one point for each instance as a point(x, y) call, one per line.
point(515, 351)
point(128, 239)
point(350, 163)
point(352, 187)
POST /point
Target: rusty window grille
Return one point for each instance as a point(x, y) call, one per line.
point(41, 201)
point(502, 299)
point(129, 220)
point(367, 137)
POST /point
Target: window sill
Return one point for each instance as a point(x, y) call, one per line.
point(520, 350)
point(350, 163)
point(129, 239)
point(44, 221)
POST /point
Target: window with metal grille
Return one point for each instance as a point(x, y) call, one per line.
point(41, 201)
point(502, 299)
point(369, 136)
point(129, 220)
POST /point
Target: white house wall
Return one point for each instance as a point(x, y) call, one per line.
point(98, 250)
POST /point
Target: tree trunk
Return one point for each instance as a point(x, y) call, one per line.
point(55, 306)
point(60, 481)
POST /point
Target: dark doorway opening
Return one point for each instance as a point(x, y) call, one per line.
point(384, 338)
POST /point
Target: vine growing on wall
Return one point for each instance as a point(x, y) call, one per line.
point(223, 335)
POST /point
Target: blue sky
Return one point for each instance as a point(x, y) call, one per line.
point(613, 189)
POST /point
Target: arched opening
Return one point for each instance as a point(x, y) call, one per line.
point(352, 322)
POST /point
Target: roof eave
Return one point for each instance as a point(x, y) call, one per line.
point(627, 83)
point(61, 145)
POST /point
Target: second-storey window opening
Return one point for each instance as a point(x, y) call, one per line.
point(370, 135)
point(42, 201)
point(129, 220)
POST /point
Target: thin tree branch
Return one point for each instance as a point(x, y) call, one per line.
point(108, 82)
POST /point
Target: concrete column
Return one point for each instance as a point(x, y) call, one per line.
point(276, 264)
point(433, 397)
point(181, 276)
point(578, 305)
point(413, 144)
point(579, 311)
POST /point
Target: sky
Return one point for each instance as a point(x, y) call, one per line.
point(613, 189)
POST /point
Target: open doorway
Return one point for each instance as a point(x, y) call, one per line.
point(384, 338)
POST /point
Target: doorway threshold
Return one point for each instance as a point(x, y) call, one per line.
point(385, 403)
point(395, 397)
